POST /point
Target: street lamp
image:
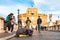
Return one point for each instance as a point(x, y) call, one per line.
point(18, 15)
point(18, 11)
point(50, 19)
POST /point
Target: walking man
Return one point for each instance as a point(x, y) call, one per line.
point(39, 21)
point(28, 21)
point(6, 23)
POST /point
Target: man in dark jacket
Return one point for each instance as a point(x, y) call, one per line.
point(39, 21)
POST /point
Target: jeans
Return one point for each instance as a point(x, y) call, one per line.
point(10, 28)
point(39, 27)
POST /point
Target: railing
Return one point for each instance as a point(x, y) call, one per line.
point(54, 28)
point(1, 24)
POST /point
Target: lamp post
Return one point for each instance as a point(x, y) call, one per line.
point(18, 11)
point(50, 21)
point(18, 15)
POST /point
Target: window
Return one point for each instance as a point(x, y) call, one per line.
point(32, 13)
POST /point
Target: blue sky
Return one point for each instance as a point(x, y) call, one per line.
point(45, 6)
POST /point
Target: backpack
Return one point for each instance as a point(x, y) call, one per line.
point(7, 19)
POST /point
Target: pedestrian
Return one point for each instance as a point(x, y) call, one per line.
point(28, 21)
point(19, 23)
point(39, 21)
point(6, 23)
point(5, 26)
point(11, 22)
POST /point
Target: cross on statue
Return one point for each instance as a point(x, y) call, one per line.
point(58, 16)
point(32, 5)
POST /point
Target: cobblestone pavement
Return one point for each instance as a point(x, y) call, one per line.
point(2, 35)
point(44, 35)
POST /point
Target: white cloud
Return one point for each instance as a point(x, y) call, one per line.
point(5, 10)
point(38, 2)
point(52, 8)
point(51, 4)
point(8, 9)
point(56, 12)
point(50, 12)
point(22, 8)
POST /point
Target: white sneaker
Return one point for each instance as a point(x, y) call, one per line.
point(9, 32)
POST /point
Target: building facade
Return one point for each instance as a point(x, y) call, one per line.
point(33, 14)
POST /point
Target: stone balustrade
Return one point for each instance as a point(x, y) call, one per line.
point(1, 24)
